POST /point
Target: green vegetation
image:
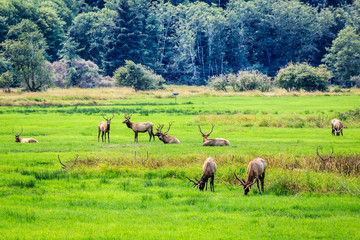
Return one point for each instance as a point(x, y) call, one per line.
point(107, 193)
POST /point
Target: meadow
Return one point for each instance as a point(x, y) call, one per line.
point(113, 192)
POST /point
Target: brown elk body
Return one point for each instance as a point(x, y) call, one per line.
point(139, 127)
point(104, 127)
point(167, 139)
point(23, 140)
point(255, 171)
point(213, 141)
point(209, 170)
point(336, 127)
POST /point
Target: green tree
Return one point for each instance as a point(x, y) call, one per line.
point(25, 51)
point(343, 58)
point(137, 76)
point(303, 76)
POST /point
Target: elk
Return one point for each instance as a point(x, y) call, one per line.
point(104, 127)
point(255, 171)
point(164, 137)
point(323, 160)
point(213, 141)
point(336, 126)
point(139, 127)
point(65, 167)
point(23, 140)
point(209, 170)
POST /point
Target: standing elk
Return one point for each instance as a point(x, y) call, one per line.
point(139, 127)
point(23, 140)
point(336, 126)
point(209, 170)
point(256, 170)
point(213, 141)
point(104, 127)
point(164, 137)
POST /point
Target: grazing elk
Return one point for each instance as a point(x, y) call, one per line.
point(104, 127)
point(256, 170)
point(336, 126)
point(164, 137)
point(213, 141)
point(23, 140)
point(209, 170)
point(139, 127)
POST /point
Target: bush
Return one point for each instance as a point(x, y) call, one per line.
point(6, 81)
point(242, 81)
point(79, 73)
point(137, 76)
point(219, 83)
point(303, 76)
point(356, 81)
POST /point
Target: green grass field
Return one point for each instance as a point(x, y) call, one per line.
point(108, 194)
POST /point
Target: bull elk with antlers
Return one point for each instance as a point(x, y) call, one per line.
point(336, 127)
point(164, 137)
point(213, 141)
point(209, 170)
point(139, 127)
point(324, 159)
point(104, 127)
point(23, 140)
point(255, 171)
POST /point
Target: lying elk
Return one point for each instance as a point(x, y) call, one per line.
point(336, 126)
point(164, 137)
point(104, 127)
point(139, 127)
point(23, 140)
point(64, 167)
point(209, 170)
point(256, 170)
point(323, 160)
point(213, 141)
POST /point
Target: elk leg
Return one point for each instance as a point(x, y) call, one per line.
point(108, 136)
point(150, 135)
point(257, 183)
point(136, 137)
point(99, 136)
point(102, 136)
point(212, 184)
point(341, 133)
point(262, 181)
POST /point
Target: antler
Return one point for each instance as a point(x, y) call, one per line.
point(64, 167)
point(14, 132)
point(169, 127)
point(242, 183)
point(200, 130)
point(112, 116)
point(104, 117)
point(195, 183)
point(211, 130)
point(317, 152)
point(142, 161)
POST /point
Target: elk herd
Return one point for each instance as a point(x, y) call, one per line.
point(255, 170)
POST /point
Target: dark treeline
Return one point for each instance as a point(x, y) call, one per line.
point(187, 42)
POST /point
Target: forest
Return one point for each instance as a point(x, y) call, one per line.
point(83, 43)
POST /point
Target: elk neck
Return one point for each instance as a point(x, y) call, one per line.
point(129, 124)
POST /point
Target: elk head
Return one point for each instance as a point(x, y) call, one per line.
point(245, 185)
point(17, 136)
point(162, 134)
point(323, 160)
point(199, 184)
point(205, 136)
point(108, 121)
point(127, 118)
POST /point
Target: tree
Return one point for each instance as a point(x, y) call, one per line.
point(6, 81)
point(343, 58)
point(137, 76)
point(303, 76)
point(25, 51)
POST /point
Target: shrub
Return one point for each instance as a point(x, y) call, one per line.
point(6, 81)
point(242, 81)
point(79, 73)
point(303, 76)
point(218, 83)
point(356, 81)
point(137, 76)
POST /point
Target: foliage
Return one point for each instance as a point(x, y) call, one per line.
point(78, 73)
point(6, 81)
point(137, 76)
point(218, 83)
point(344, 56)
point(303, 76)
point(25, 51)
point(355, 81)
